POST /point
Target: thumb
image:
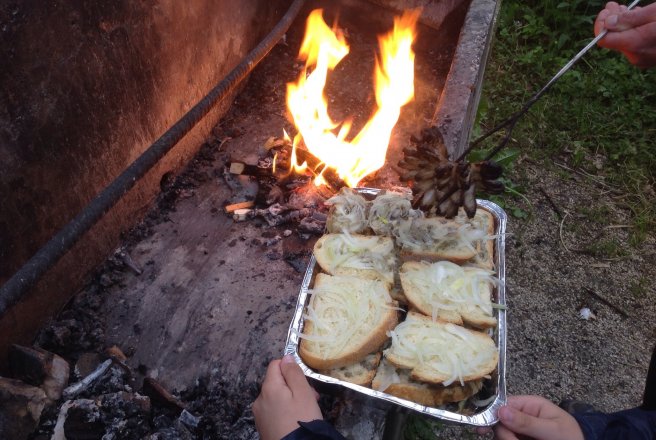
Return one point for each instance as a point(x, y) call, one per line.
point(522, 423)
point(294, 377)
point(631, 19)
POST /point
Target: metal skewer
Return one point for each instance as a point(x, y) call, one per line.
point(512, 120)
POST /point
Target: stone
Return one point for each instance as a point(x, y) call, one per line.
point(57, 378)
point(28, 364)
point(189, 419)
point(39, 367)
point(21, 406)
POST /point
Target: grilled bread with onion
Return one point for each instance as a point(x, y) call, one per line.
point(436, 238)
point(347, 318)
point(397, 382)
point(358, 255)
point(449, 292)
point(361, 373)
point(441, 353)
point(348, 212)
point(482, 221)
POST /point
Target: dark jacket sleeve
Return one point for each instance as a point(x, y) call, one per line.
point(634, 424)
point(314, 430)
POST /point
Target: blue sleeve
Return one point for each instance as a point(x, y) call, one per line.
point(634, 424)
point(314, 430)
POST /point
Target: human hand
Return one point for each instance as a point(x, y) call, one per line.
point(631, 32)
point(285, 399)
point(533, 417)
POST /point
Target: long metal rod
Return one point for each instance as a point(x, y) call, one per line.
point(512, 120)
point(66, 238)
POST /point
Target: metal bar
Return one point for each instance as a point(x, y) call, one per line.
point(66, 238)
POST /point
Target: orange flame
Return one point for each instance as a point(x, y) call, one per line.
point(322, 49)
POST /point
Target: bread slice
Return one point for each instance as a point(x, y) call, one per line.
point(436, 238)
point(347, 318)
point(361, 373)
point(449, 292)
point(397, 382)
point(482, 221)
point(441, 353)
point(348, 212)
point(359, 255)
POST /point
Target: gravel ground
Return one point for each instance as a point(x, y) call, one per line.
point(552, 264)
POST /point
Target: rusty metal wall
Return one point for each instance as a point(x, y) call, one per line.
point(86, 86)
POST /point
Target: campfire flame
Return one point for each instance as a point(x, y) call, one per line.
point(322, 49)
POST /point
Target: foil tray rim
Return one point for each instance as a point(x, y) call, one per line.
point(487, 416)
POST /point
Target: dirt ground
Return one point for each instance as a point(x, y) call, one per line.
point(551, 350)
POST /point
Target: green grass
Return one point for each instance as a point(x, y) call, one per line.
point(600, 116)
point(639, 287)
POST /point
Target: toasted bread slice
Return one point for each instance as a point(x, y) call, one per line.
point(482, 221)
point(436, 238)
point(397, 382)
point(389, 209)
point(358, 255)
point(347, 318)
point(441, 353)
point(449, 292)
point(348, 212)
point(361, 373)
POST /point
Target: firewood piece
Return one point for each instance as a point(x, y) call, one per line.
point(241, 205)
point(159, 396)
point(329, 175)
point(245, 169)
point(239, 215)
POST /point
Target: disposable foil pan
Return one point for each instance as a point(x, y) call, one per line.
point(487, 416)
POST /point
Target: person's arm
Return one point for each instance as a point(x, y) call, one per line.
point(631, 32)
point(287, 406)
point(634, 424)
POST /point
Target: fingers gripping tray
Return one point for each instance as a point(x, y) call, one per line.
point(479, 410)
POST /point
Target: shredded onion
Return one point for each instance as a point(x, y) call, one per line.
point(348, 212)
point(447, 287)
point(388, 210)
point(446, 350)
point(344, 309)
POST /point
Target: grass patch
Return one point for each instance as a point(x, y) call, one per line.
point(599, 214)
point(608, 248)
point(638, 288)
point(599, 117)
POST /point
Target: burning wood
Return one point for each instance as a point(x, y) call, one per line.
point(323, 150)
point(241, 205)
point(322, 50)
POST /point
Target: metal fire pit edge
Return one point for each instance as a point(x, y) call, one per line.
point(488, 415)
point(456, 110)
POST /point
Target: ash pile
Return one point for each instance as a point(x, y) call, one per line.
point(278, 192)
point(68, 386)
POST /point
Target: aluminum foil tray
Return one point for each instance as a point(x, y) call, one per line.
point(487, 416)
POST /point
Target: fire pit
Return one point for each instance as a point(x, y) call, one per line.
point(194, 293)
